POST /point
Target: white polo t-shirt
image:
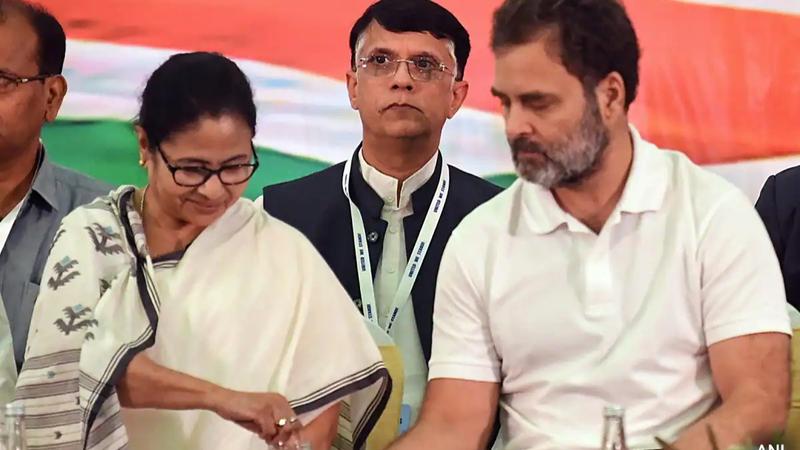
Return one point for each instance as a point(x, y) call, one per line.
point(568, 320)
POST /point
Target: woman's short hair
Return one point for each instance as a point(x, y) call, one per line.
point(190, 86)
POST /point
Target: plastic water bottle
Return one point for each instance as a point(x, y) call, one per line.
point(15, 427)
point(614, 428)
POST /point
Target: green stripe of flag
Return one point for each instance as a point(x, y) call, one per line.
point(107, 150)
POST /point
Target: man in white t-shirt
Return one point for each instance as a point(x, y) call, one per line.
point(612, 272)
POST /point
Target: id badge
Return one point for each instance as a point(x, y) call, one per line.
point(405, 418)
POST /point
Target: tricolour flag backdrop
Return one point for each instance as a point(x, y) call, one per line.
point(720, 81)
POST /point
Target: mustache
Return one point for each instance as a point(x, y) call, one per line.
point(524, 145)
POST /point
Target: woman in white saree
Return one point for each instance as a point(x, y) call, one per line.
point(180, 316)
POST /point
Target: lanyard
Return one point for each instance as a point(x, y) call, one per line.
point(363, 264)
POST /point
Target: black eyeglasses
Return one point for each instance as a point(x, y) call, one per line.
point(9, 82)
point(194, 176)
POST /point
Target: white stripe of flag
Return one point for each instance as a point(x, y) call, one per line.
point(778, 6)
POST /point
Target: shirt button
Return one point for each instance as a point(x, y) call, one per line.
point(393, 229)
point(391, 269)
point(389, 200)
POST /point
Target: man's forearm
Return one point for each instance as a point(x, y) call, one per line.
point(149, 385)
point(321, 432)
point(748, 417)
point(441, 435)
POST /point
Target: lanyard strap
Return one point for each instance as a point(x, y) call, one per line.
point(363, 263)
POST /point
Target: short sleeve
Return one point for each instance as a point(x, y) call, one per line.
point(462, 341)
point(741, 283)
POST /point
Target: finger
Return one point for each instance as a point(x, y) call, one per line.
point(249, 425)
point(266, 424)
point(286, 426)
point(268, 433)
point(295, 426)
point(292, 442)
point(282, 436)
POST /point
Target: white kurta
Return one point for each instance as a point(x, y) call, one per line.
point(391, 265)
point(250, 306)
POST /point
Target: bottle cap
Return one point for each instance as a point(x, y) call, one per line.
point(613, 411)
point(15, 410)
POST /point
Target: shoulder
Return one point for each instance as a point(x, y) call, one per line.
point(788, 179)
point(77, 189)
point(489, 220)
point(318, 182)
point(713, 205)
point(98, 209)
point(319, 187)
point(469, 186)
point(692, 186)
point(783, 188)
point(279, 239)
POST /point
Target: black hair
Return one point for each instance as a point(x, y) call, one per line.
point(401, 16)
point(52, 42)
point(596, 37)
point(189, 86)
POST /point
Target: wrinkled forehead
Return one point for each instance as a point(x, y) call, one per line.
point(405, 44)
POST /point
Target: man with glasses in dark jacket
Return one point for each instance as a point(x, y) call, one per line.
point(381, 219)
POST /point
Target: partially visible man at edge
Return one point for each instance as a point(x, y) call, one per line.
point(35, 194)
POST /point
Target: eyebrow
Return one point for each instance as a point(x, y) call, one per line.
point(534, 96)
point(383, 50)
point(427, 55)
point(498, 94)
point(392, 53)
point(207, 162)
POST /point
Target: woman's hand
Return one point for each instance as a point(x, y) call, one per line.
point(150, 385)
point(268, 415)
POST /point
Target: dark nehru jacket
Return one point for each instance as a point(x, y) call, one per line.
point(317, 207)
point(779, 207)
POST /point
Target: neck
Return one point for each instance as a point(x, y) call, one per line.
point(593, 200)
point(16, 177)
point(164, 234)
point(398, 158)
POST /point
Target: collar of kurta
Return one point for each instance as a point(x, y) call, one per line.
point(370, 203)
point(387, 186)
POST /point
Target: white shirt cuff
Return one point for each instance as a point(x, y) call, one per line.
point(746, 327)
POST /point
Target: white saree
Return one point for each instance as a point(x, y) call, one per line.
point(250, 306)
